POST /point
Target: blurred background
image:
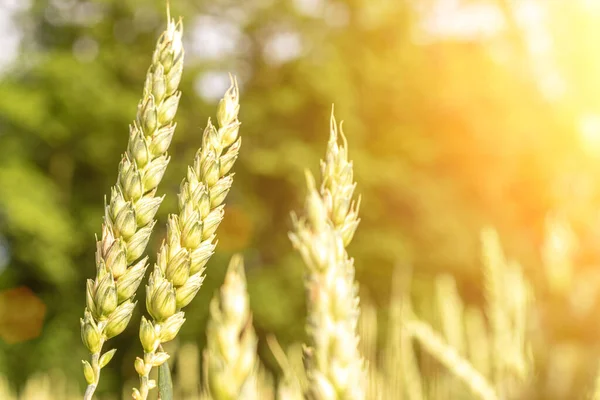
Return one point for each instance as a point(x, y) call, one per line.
point(460, 114)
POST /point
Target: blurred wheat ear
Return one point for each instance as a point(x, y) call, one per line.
point(230, 355)
point(334, 366)
point(495, 362)
point(129, 213)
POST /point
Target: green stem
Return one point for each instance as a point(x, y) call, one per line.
point(89, 392)
point(144, 379)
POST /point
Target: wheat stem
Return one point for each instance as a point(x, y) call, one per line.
point(450, 358)
point(289, 387)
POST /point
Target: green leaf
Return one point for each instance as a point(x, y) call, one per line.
point(165, 384)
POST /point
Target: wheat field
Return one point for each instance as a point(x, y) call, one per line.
point(434, 338)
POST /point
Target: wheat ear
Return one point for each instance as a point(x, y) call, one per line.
point(335, 368)
point(179, 270)
point(231, 341)
point(129, 215)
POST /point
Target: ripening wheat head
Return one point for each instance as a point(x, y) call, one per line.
point(129, 214)
point(231, 341)
point(335, 369)
point(179, 270)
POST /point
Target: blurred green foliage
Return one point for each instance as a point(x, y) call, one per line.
point(446, 138)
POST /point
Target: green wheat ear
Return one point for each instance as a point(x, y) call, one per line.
point(129, 214)
point(191, 238)
point(335, 368)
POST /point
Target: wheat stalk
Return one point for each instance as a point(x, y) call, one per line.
point(129, 215)
point(179, 270)
point(407, 362)
point(595, 395)
point(493, 264)
point(289, 386)
point(450, 358)
point(231, 342)
point(451, 311)
point(335, 369)
point(478, 340)
point(508, 297)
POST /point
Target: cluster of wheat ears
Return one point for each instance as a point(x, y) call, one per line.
point(340, 359)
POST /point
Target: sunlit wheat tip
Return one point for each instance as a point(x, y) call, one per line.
point(334, 366)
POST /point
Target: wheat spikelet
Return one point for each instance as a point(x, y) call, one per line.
point(335, 368)
point(179, 270)
point(129, 214)
point(337, 188)
point(231, 342)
